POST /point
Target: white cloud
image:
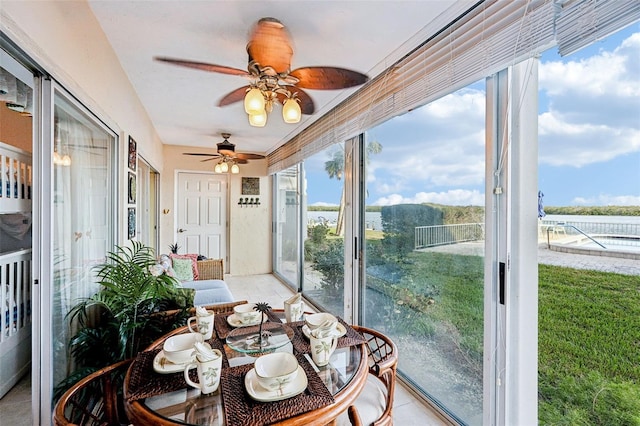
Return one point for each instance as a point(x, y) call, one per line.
point(579, 144)
point(608, 200)
point(593, 107)
point(606, 74)
point(440, 144)
point(323, 204)
point(454, 197)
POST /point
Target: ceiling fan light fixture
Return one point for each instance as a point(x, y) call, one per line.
point(291, 112)
point(235, 169)
point(224, 167)
point(258, 119)
point(254, 101)
point(218, 168)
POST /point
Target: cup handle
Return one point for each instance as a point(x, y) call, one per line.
point(189, 324)
point(187, 378)
point(333, 345)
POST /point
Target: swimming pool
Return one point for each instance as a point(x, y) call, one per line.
point(623, 246)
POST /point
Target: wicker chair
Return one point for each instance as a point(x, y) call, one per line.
point(94, 400)
point(211, 269)
point(375, 403)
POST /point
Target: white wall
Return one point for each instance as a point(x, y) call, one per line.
point(249, 229)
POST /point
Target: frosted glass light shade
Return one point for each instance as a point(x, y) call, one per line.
point(258, 120)
point(218, 168)
point(291, 111)
point(235, 169)
point(224, 167)
point(254, 101)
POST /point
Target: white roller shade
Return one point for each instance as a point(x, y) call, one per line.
point(583, 22)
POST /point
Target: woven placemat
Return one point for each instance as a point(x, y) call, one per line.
point(301, 342)
point(241, 409)
point(145, 381)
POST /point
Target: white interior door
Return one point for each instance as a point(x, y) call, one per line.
point(202, 214)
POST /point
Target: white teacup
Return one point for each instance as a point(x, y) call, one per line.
point(322, 349)
point(179, 349)
point(246, 314)
point(205, 324)
point(314, 321)
point(276, 371)
point(208, 374)
point(293, 311)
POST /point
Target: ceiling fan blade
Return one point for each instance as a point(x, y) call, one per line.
point(204, 66)
point(210, 159)
point(248, 156)
point(327, 78)
point(201, 153)
point(270, 45)
point(306, 103)
point(239, 161)
point(232, 97)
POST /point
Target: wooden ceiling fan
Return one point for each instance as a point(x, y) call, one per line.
point(269, 70)
point(227, 153)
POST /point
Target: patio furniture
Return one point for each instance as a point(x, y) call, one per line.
point(210, 286)
point(94, 400)
point(164, 399)
point(375, 403)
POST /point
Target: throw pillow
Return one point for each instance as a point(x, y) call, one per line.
point(194, 262)
point(183, 269)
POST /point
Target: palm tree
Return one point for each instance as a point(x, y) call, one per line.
point(335, 169)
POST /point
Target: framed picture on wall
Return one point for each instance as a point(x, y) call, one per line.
point(131, 224)
point(133, 154)
point(131, 188)
point(250, 186)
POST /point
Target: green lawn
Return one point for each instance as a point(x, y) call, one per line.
point(589, 347)
point(589, 332)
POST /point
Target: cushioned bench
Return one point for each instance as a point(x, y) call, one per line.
point(210, 286)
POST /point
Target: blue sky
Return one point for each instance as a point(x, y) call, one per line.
point(589, 138)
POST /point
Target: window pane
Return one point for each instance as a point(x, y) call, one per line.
point(324, 244)
point(287, 225)
point(82, 220)
point(424, 246)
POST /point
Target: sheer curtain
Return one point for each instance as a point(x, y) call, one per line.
point(82, 222)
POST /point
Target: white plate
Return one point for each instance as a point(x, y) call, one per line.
point(167, 366)
point(235, 322)
point(257, 392)
point(339, 331)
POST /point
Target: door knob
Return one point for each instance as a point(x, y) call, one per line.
point(181, 230)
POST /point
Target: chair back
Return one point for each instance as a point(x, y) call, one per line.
point(94, 400)
point(383, 362)
point(210, 269)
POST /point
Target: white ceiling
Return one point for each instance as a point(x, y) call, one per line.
point(366, 36)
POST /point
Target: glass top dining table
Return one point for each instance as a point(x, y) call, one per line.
point(329, 392)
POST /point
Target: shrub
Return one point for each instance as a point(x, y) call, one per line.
point(399, 223)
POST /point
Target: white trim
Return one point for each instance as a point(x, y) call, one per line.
point(521, 339)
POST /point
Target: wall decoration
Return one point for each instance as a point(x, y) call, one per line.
point(131, 188)
point(132, 222)
point(133, 154)
point(250, 186)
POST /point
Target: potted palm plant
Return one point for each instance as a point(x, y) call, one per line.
point(118, 321)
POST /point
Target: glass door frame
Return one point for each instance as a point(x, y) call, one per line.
point(42, 377)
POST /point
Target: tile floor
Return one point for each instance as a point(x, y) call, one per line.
point(15, 407)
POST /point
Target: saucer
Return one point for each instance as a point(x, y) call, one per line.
point(338, 332)
point(167, 366)
point(257, 392)
point(235, 322)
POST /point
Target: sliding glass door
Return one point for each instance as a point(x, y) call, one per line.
point(83, 222)
point(425, 246)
